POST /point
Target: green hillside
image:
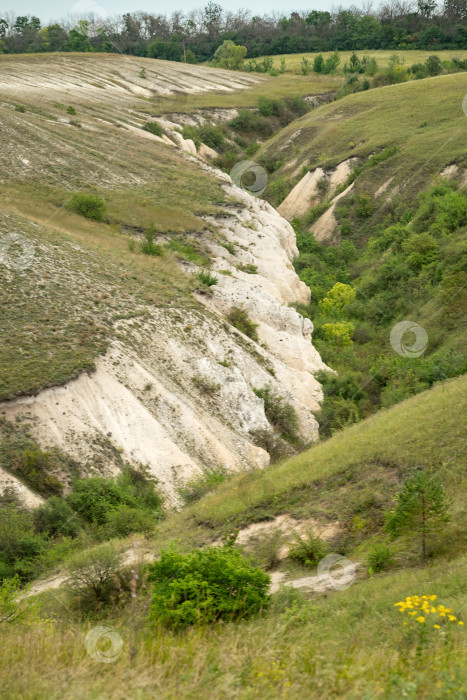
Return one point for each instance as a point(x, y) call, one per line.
point(346, 643)
point(108, 588)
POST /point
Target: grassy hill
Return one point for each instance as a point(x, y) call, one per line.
point(346, 643)
point(401, 255)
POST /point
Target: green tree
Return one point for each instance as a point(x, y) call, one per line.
point(318, 64)
point(229, 55)
point(340, 296)
point(339, 334)
point(421, 506)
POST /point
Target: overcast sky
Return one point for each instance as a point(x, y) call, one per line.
point(47, 10)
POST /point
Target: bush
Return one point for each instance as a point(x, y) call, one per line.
point(204, 586)
point(96, 498)
point(280, 414)
point(380, 557)
point(239, 318)
point(92, 573)
point(207, 279)
point(153, 128)
point(124, 520)
point(307, 549)
point(56, 517)
point(249, 121)
point(89, 205)
point(19, 544)
point(148, 245)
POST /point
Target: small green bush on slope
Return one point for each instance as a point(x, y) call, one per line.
point(205, 586)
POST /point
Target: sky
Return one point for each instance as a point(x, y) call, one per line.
point(48, 10)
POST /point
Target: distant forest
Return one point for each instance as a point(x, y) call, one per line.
point(195, 36)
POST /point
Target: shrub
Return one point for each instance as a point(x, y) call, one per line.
point(204, 586)
point(124, 520)
point(195, 489)
point(265, 548)
point(271, 442)
point(19, 544)
point(32, 465)
point(280, 414)
point(20, 108)
point(308, 549)
point(433, 65)
point(92, 573)
point(364, 206)
point(96, 498)
point(56, 517)
point(71, 110)
point(148, 245)
point(89, 205)
point(153, 128)
point(380, 557)
point(207, 279)
point(249, 121)
point(240, 320)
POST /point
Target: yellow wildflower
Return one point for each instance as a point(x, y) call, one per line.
point(420, 619)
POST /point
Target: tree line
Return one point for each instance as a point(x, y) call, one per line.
point(195, 36)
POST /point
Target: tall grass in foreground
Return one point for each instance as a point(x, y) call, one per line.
point(350, 644)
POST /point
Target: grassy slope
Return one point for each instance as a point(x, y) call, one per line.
point(424, 118)
point(355, 471)
point(59, 313)
point(349, 643)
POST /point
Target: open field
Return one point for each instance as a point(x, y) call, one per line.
point(293, 60)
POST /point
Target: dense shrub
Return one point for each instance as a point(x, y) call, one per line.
point(19, 544)
point(204, 586)
point(56, 517)
point(89, 205)
point(99, 501)
point(92, 575)
point(249, 121)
